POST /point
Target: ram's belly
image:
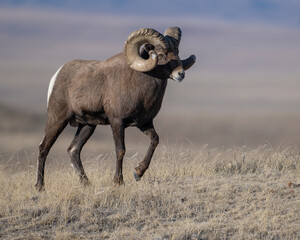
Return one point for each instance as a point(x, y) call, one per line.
point(97, 118)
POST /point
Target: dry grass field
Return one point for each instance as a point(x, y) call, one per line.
point(223, 190)
point(236, 193)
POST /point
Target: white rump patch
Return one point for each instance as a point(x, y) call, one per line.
point(51, 85)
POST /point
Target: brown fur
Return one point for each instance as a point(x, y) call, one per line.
point(90, 93)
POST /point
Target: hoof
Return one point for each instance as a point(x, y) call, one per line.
point(118, 181)
point(39, 187)
point(136, 176)
point(35, 198)
point(119, 184)
point(85, 182)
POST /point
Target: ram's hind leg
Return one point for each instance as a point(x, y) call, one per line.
point(84, 132)
point(52, 131)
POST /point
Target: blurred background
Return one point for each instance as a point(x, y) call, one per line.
point(244, 89)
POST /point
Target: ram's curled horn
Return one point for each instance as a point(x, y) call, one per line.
point(133, 44)
point(187, 63)
point(173, 33)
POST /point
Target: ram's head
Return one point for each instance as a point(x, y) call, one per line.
point(147, 49)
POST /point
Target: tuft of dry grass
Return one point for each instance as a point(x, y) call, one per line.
point(207, 194)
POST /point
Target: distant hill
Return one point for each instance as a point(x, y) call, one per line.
point(13, 119)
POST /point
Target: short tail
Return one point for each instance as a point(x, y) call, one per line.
point(52, 82)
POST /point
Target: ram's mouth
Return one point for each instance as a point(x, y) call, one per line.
point(176, 79)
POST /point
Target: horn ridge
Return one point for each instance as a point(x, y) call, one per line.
point(135, 41)
point(174, 32)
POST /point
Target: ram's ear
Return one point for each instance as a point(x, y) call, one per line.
point(189, 62)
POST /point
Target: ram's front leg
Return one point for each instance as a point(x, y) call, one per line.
point(149, 130)
point(118, 134)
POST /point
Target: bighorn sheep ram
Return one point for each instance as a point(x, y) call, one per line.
point(122, 91)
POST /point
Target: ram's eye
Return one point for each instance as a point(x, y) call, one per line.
point(162, 57)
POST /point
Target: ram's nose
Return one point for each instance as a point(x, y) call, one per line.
point(181, 74)
point(178, 76)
